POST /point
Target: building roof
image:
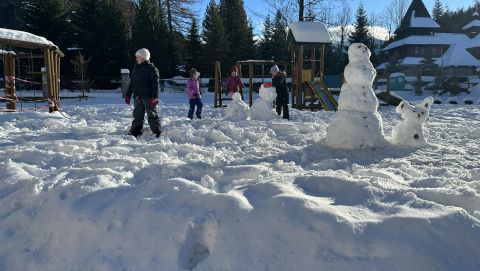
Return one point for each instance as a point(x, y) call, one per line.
point(435, 39)
point(417, 16)
point(422, 22)
point(309, 32)
point(474, 23)
point(456, 54)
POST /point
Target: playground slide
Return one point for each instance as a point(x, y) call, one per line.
point(324, 95)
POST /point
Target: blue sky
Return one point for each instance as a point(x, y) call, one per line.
point(371, 6)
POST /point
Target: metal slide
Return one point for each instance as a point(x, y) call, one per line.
point(324, 95)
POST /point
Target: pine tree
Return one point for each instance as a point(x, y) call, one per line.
point(150, 31)
point(103, 35)
point(193, 46)
point(237, 29)
point(360, 33)
point(266, 44)
point(215, 40)
point(46, 18)
point(279, 38)
point(10, 14)
point(438, 10)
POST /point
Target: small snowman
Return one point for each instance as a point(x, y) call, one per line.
point(262, 109)
point(357, 123)
point(410, 131)
point(237, 110)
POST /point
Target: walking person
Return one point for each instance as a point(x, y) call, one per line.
point(144, 87)
point(194, 95)
point(279, 81)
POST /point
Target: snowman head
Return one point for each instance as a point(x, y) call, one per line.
point(268, 93)
point(358, 52)
point(416, 114)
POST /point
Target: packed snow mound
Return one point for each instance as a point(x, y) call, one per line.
point(237, 109)
point(79, 194)
point(262, 109)
point(357, 123)
point(347, 134)
point(410, 130)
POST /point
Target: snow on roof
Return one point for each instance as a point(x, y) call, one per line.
point(14, 35)
point(474, 23)
point(423, 22)
point(436, 38)
point(475, 42)
point(310, 32)
point(456, 54)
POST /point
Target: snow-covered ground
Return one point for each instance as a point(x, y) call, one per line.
point(78, 194)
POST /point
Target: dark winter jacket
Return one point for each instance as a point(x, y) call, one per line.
point(144, 81)
point(280, 84)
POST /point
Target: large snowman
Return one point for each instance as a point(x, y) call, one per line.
point(357, 123)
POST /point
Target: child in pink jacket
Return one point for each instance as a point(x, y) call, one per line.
point(194, 95)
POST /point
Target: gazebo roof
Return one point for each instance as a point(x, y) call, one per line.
point(308, 33)
point(23, 39)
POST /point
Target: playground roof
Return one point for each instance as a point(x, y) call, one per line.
point(23, 39)
point(308, 32)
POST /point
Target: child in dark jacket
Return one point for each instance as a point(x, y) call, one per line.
point(194, 95)
point(279, 81)
point(234, 83)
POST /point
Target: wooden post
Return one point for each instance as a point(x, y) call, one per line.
point(313, 65)
point(44, 82)
point(218, 86)
point(57, 81)
point(125, 74)
point(48, 70)
point(250, 81)
point(294, 79)
point(322, 62)
point(299, 99)
point(9, 66)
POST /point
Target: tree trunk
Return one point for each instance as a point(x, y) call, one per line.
point(169, 16)
point(301, 10)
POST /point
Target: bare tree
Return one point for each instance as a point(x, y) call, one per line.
point(392, 15)
point(305, 10)
point(179, 13)
point(344, 19)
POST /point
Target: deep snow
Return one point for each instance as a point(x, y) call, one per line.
point(210, 194)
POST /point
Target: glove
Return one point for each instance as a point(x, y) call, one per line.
point(127, 99)
point(153, 102)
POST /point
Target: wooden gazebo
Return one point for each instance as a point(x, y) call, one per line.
point(306, 44)
point(51, 54)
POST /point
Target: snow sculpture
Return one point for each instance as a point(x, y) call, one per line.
point(357, 123)
point(237, 109)
point(410, 131)
point(262, 109)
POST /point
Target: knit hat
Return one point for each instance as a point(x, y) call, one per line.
point(274, 68)
point(143, 53)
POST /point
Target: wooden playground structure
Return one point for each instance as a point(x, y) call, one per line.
point(13, 45)
point(306, 44)
point(253, 67)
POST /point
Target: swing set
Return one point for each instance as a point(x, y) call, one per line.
point(20, 52)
